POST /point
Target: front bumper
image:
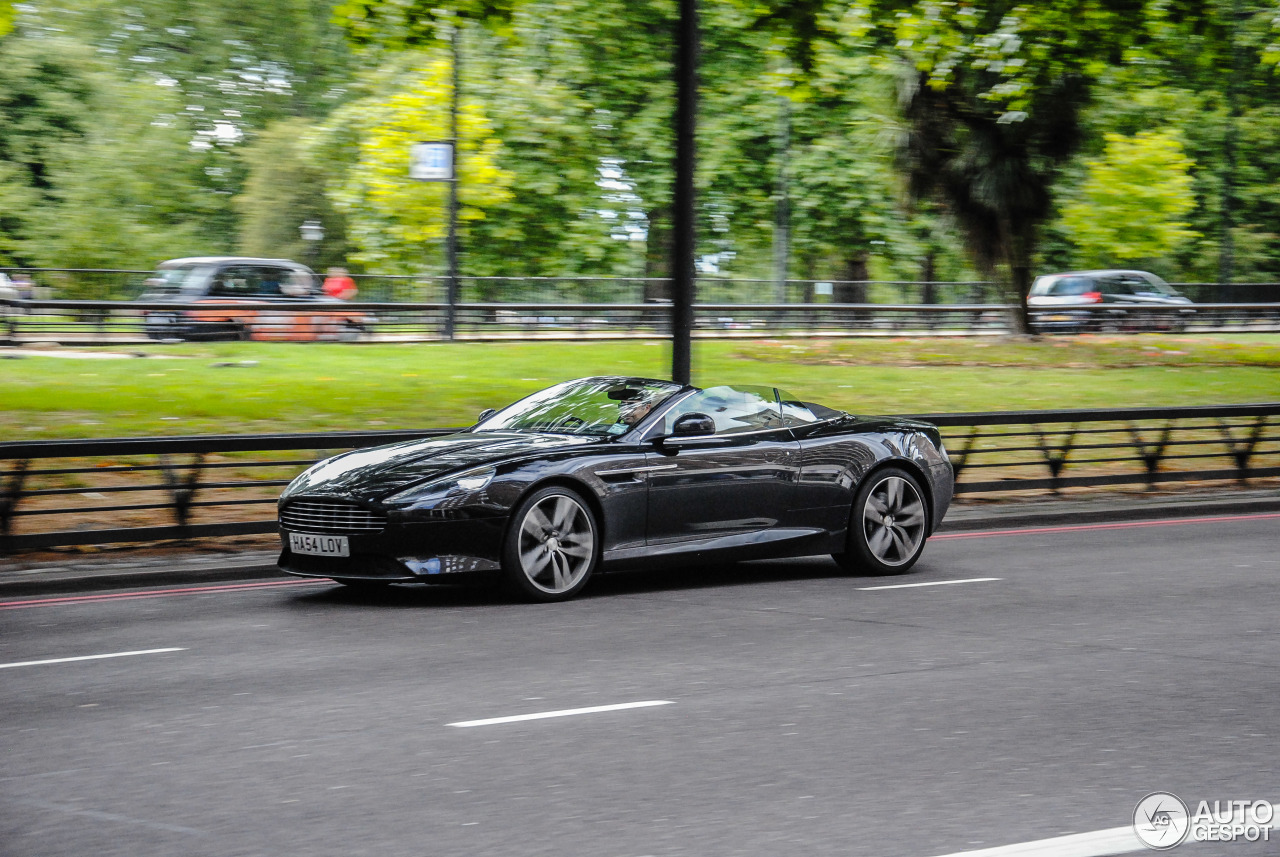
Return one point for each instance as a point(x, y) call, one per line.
point(406, 551)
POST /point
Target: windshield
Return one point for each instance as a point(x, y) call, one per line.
point(603, 407)
point(171, 281)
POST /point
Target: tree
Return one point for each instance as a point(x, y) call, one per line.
point(285, 188)
point(233, 68)
point(846, 197)
point(127, 191)
point(96, 170)
point(391, 218)
point(45, 94)
point(1184, 78)
point(573, 206)
point(993, 96)
point(1132, 206)
point(993, 107)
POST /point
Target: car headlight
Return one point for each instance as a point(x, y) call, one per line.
point(470, 480)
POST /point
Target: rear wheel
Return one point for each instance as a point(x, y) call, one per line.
point(887, 525)
point(552, 545)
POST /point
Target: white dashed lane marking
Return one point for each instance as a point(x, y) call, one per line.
point(567, 712)
point(87, 658)
point(930, 583)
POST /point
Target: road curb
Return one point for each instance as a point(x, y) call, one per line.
point(195, 570)
point(1059, 513)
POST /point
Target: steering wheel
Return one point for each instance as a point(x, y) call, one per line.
point(569, 422)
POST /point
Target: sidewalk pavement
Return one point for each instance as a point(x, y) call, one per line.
point(183, 566)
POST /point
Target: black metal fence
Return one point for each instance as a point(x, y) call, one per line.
point(109, 284)
point(104, 284)
point(135, 322)
point(77, 492)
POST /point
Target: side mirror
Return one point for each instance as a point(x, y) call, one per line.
point(693, 425)
point(485, 414)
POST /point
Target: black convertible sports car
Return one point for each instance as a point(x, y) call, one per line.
point(601, 473)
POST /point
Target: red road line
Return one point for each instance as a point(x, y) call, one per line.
point(1168, 522)
point(153, 593)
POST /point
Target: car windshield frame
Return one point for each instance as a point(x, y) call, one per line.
point(586, 407)
point(179, 279)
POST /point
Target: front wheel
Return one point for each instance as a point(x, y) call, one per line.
point(887, 525)
point(552, 545)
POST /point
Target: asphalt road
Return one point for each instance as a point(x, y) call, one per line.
point(807, 713)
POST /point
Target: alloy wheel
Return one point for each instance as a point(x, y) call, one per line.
point(893, 521)
point(556, 544)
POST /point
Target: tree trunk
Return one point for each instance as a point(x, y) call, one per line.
point(657, 257)
point(1017, 252)
point(854, 290)
point(928, 273)
point(1021, 285)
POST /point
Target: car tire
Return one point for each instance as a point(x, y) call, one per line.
point(552, 545)
point(888, 524)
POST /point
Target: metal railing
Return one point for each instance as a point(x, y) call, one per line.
point(76, 492)
point(136, 322)
point(96, 284)
point(126, 284)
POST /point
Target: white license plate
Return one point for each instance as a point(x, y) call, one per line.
point(314, 545)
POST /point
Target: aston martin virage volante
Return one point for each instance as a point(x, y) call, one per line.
point(611, 472)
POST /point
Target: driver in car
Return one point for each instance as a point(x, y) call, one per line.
point(632, 412)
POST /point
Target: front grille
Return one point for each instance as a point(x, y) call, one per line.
point(330, 516)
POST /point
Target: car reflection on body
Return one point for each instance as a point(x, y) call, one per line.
point(610, 472)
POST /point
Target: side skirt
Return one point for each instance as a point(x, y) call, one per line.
point(761, 544)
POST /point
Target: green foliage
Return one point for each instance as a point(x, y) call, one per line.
point(1132, 207)
point(558, 220)
point(136, 131)
point(98, 171)
point(128, 191)
point(45, 92)
point(395, 222)
point(416, 23)
point(235, 64)
point(284, 189)
point(1182, 81)
point(121, 125)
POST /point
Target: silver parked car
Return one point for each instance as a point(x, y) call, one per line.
point(1104, 301)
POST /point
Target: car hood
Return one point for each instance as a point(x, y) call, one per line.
point(382, 470)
